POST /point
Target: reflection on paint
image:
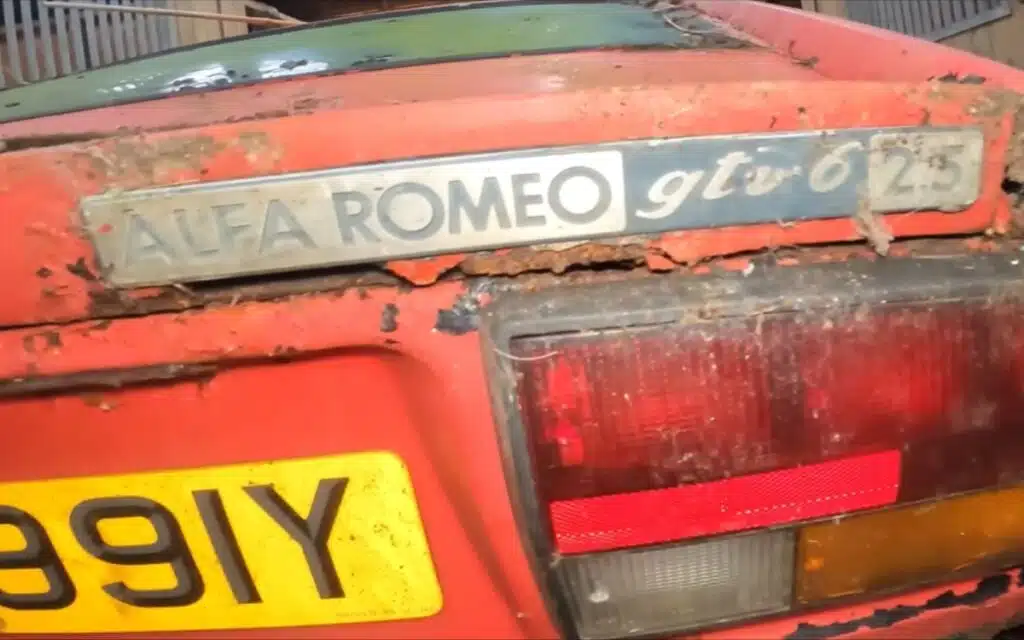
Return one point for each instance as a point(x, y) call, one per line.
point(215, 75)
point(380, 42)
point(281, 67)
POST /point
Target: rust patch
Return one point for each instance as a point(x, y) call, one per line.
point(260, 153)
point(97, 401)
point(47, 339)
point(101, 325)
point(968, 78)
point(1015, 154)
point(263, 115)
point(531, 268)
point(389, 318)
point(105, 303)
point(112, 303)
point(989, 104)
point(52, 339)
point(1013, 183)
point(523, 260)
point(986, 589)
point(312, 103)
point(284, 351)
point(464, 314)
point(873, 228)
point(54, 293)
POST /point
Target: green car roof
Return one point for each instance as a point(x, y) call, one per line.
point(468, 31)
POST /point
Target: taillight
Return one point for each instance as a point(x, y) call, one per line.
point(688, 452)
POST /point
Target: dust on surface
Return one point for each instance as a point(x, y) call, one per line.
point(140, 162)
point(872, 227)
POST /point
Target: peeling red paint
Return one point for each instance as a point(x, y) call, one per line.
point(555, 260)
point(425, 271)
point(658, 262)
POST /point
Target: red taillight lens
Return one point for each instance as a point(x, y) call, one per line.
point(625, 413)
point(625, 410)
point(677, 444)
point(901, 371)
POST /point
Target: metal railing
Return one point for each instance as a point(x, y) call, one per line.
point(928, 19)
point(43, 42)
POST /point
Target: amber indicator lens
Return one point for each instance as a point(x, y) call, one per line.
point(910, 545)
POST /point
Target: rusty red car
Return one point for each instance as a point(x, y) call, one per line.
point(583, 320)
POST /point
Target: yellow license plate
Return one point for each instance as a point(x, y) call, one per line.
point(287, 543)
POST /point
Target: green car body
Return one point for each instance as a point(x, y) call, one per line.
point(378, 41)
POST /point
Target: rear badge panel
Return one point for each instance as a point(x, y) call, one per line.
point(417, 208)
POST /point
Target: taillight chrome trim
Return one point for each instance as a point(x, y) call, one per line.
point(671, 299)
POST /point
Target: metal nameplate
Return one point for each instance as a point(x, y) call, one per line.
point(419, 208)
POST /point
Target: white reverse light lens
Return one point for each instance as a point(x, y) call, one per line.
point(665, 589)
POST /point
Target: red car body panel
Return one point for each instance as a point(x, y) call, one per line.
point(235, 376)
